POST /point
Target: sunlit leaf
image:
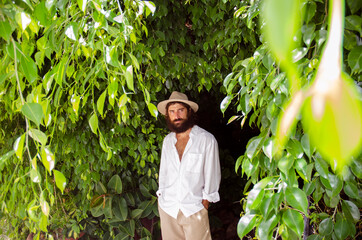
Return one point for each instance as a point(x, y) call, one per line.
point(44, 205)
point(82, 4)
point(5, 30)
point(71, 31)
point(246, 223)
point(60, 180)
point(253, 146)
point(265, 228)
point(43, 223)
point(153, 109)
point(129, 77)
point(38, 136)
point(28, 67)
point(19, 146)
point(225, 103)
point(297, 199)
point(47, 159)
point(93, 123)
point(351, 211)
point(150, 5)
point(134, 61)
point(35, 176)
point(281, 18)
point(233, 118)
point(23, 19)
point(268, 148)
point(75, 100)
point(100, 102)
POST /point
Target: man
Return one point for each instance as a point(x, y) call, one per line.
point(189, 175)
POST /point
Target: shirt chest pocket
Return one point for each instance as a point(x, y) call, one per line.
point(194, 163)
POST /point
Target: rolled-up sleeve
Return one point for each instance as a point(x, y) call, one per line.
point(212, 172)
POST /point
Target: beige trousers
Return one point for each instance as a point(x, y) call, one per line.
point(194, 227)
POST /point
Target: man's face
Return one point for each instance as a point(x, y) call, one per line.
point(178, 118)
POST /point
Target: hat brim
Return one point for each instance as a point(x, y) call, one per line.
point(162, 105)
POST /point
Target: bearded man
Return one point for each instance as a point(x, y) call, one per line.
point(189, 176)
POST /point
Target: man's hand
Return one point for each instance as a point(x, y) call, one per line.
point(205, 203)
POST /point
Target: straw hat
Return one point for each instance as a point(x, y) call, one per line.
point(176, 97)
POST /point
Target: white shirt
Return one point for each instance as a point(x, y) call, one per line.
point(183, 184)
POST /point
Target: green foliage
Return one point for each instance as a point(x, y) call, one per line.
point(297, 183)
point(80, 138)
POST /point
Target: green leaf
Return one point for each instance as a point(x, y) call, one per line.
point(265, 228)
point(121, 209)
point(44, 205)
point(351, 211)
point(19, 146)
point(301, 167)
point(121, 236)
point(43, 223)
point(136, 213)
point(306, 146)
point(351, 189)
point(294, 220)
point(82, 5)
point(353, 23)
point(93, 123)
point(268, 148)
point(100, 103)
point(285, 163)
point(129, 77)
point(341, 229)
point(134, 61)
point(225, 103)
point(5, 30)
point(245, 224)
point(335, 126)
point(309, 187)
point(71, 31)
point(28, 67)
point(255, 195)
point(297, 199)
point(35, 176)
point(60, 180)
point(116, 184)
point(153, 109)
point(355, 59)
point(321, 167)
point(326, 227)
point(47, 159)
point(100, 188)
point(253, 146)
point(7, 155)
point(336, 184)
point(281, 18)
point(38, 136)
point(33, 111)
point(60, 71)
point(41, 13)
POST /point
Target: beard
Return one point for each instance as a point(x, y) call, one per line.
point(180, 125)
